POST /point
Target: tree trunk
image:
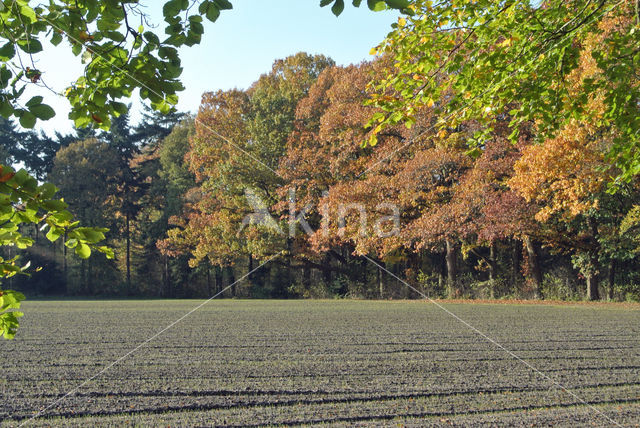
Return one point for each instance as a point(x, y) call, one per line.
point(593, 281)
point(249, 275)
point(442, 270)
point(327, 274)
point(592, 288)
point(218, 278)
point(209, 290)
point(612, 279)
point(128, 238)
point(534, 266)
point(306, 277)
point(232, 280)
point(364, 263)
point(380, 281)
point(166, 276)
point(516, 250)
point(452, 269)
point(493, 266)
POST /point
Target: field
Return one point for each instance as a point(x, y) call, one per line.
point(249, 363)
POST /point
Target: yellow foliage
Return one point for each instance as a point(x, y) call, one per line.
point(563, 175)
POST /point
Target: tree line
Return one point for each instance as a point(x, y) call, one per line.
point(510, 219)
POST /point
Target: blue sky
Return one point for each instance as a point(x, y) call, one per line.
point(243, 44)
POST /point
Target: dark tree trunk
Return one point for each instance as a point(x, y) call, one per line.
point(327, 273)
point(442, 270)
point(218, 278)
point(612, 279)
point(593, 281)
point(380, 280)
point(452, 269)
point(516, 250)
point(249, 275)
point(128, 238)
point(232, 280)
point(306, 277)
point(209, 290)
point(166, 276)
point(493, 268)
point(534, 266)
point(364, 264)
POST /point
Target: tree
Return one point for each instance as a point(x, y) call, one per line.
point(154, 127)
point(131, 186)
point(473, 59)
point(163, 164)
point(88, 174)
point(566, 177)
point(239, 140)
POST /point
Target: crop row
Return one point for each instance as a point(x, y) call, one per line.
point(235, 363)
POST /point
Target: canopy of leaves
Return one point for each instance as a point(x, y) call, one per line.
point(24, 202)
point(482, 59)
point(121, 49)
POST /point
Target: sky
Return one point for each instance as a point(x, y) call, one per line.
point(240, 46)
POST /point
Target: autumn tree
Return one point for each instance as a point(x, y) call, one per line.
point(240, 137)
point(492, 54)
point(567, 178)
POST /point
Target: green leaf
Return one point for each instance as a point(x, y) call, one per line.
point(398, 4)
point(81, 122)
point(213, 13)
point(27, 119)
point(108, 252)
point(56, 39)
point(7, 51)
point(99, 99)
point(54, 234)
point(337, 7)
point(27, 11)
point(54, 205)
point(34, 101)
point(83, 251)
point(376, 5)
point(172, 8)
point(223, 4)
point(43, 111)
point(90, 235)
point(47, 190)
point(30, 46)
